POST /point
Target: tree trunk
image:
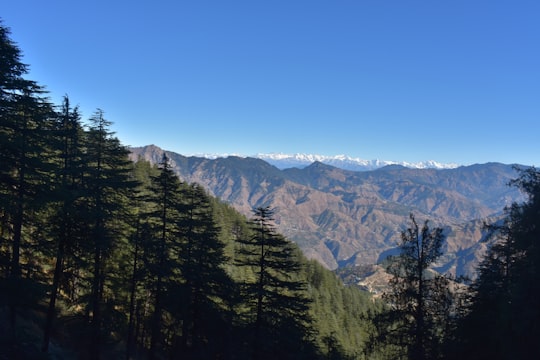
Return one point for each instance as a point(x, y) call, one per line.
point(96, 307)
point(133, 289)
point(58, 268)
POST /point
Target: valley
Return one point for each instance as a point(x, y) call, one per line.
point(342, 217)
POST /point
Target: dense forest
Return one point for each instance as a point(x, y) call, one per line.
point(105, 258)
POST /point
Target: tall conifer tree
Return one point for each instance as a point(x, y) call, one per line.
point(419, 300)
point(503, 316)
point(142, 173)
point(107, 186)
point(65, 221)
point(25, 124)
point(276, 298)
point(162, 262)
point(204, 280)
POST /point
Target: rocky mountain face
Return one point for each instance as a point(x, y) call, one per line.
point(342, 217)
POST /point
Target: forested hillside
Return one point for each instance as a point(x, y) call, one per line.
point(101, 257)
point(343, 218)
point(105, 258)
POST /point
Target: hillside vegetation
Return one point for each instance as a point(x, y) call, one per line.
point(101, 257)
point(340, 217)
point(105, 258)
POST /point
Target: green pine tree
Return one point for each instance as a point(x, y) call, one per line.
point(64, 221)
point(418, 300)
point(25, 125)
point(278, 307)
point(107, 187)
point(503, 313)
point(160, 251)
point(205, 284)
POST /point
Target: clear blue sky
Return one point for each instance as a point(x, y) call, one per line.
point(450, 81)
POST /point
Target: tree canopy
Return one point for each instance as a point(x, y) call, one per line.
point(102, 257)
point(503, 313)
point(418, 299)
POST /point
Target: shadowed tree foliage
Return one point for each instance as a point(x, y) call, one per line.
point(205, 285)
point(419, 300)
point(91, 267)
point(107, 188)
point(25, 158)
point(504, 312)
point(276, 297)
point(161, 249)
point(65, 221)
point(143, 172)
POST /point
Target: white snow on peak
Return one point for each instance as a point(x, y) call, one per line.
point(298, 160)
point(282, 161)
point(215, 156)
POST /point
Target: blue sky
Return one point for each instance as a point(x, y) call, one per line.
point(450, 81)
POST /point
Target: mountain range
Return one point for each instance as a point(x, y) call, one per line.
point(285, 161)
point(344, 217)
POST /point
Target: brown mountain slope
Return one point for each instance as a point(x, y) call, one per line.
point(345, 217)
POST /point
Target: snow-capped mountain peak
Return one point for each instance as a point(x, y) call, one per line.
point(284, 161)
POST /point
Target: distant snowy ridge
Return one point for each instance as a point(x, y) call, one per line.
point(344, 162)
point(284, 161)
